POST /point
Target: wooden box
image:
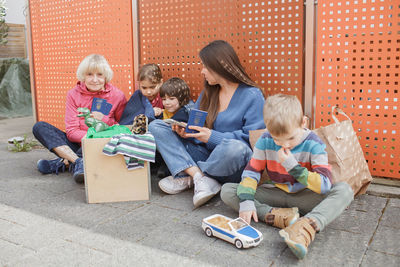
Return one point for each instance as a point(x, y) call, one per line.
point(107, 178)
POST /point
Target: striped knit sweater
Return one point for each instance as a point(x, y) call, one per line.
point(136, 148)
point(306, 168)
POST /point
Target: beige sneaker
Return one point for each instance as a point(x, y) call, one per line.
point(172, 186)
point(299, 236)
point(282, 217)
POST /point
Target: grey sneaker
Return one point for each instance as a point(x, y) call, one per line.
point(172, 186)
point(204, 189)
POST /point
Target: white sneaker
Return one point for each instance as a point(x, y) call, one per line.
point(172, 186)
point(204, 189)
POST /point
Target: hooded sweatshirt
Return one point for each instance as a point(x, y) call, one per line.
point(79, 96)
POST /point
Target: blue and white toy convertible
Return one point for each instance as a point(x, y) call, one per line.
point(235, 231)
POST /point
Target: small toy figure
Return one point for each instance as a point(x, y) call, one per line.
point(92, 122)
point(235, 231)
point(139, 125)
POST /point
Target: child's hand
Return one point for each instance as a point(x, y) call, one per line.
point(97, 115)
point(157, 111)
point(203, 134)
point(247, 215)
point(283, 154)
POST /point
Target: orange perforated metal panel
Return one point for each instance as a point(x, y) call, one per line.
point(63, 33)
point(357, 68)
point(267, 35)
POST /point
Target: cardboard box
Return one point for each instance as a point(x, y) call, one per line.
point(107, 179)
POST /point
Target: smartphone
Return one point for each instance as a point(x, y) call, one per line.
point(174, 122)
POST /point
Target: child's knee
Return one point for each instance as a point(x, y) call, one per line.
point(345, 191)
point(228, 192)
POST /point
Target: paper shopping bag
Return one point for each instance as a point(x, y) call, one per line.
point(345, 154)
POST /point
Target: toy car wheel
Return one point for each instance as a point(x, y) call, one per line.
point(208, 232)
point(238, 243)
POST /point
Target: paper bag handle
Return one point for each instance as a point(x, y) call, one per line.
point(340, 111)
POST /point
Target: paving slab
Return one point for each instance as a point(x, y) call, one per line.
point(137, 255)
point(391, 218)
point(358, 217)
point(393, 202)
point(63, 253)
point(138, 224)
point(27, 229)
point(377, 258)
point(384, 191)
point(386, 240)
point(11, 251)
point(125, 253)
point(178, 238)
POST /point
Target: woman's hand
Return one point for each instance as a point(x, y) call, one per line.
point(97, 115)
point(179, 130)
point(203, 133)
point(157, 111)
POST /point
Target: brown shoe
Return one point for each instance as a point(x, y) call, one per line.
point(282, 217)
point(298, 236)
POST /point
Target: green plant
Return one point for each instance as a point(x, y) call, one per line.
point(3, 26)
point(24, 146)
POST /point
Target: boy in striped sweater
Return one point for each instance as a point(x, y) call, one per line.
point(300, 178)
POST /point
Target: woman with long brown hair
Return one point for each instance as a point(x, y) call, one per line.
point(218, 152)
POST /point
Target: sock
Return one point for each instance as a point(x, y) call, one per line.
point(197, 175)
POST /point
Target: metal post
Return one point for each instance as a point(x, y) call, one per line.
point(135, 32)
point(309, 62)
point(30, 56)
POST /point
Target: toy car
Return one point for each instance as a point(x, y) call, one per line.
point(235, 231)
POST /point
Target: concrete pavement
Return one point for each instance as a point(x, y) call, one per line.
point(45, 221)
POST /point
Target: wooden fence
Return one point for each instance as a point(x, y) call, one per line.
point(16, 45)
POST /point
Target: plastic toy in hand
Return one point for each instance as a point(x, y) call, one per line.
point(139, 125)
point(90, 121)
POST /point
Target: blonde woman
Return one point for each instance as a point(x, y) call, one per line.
point(94, 75)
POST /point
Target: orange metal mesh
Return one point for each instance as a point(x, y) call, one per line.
point(267, 35)
point(358, 69)
point(63, 33)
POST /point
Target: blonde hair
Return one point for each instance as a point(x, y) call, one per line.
point(151, 72)
point(282, 113)
point(94, 63)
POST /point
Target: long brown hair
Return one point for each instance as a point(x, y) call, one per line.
point(220, 57)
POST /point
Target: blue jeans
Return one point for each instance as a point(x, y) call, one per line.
point(225, 163)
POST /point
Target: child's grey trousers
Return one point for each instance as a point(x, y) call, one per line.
point(322, 208)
